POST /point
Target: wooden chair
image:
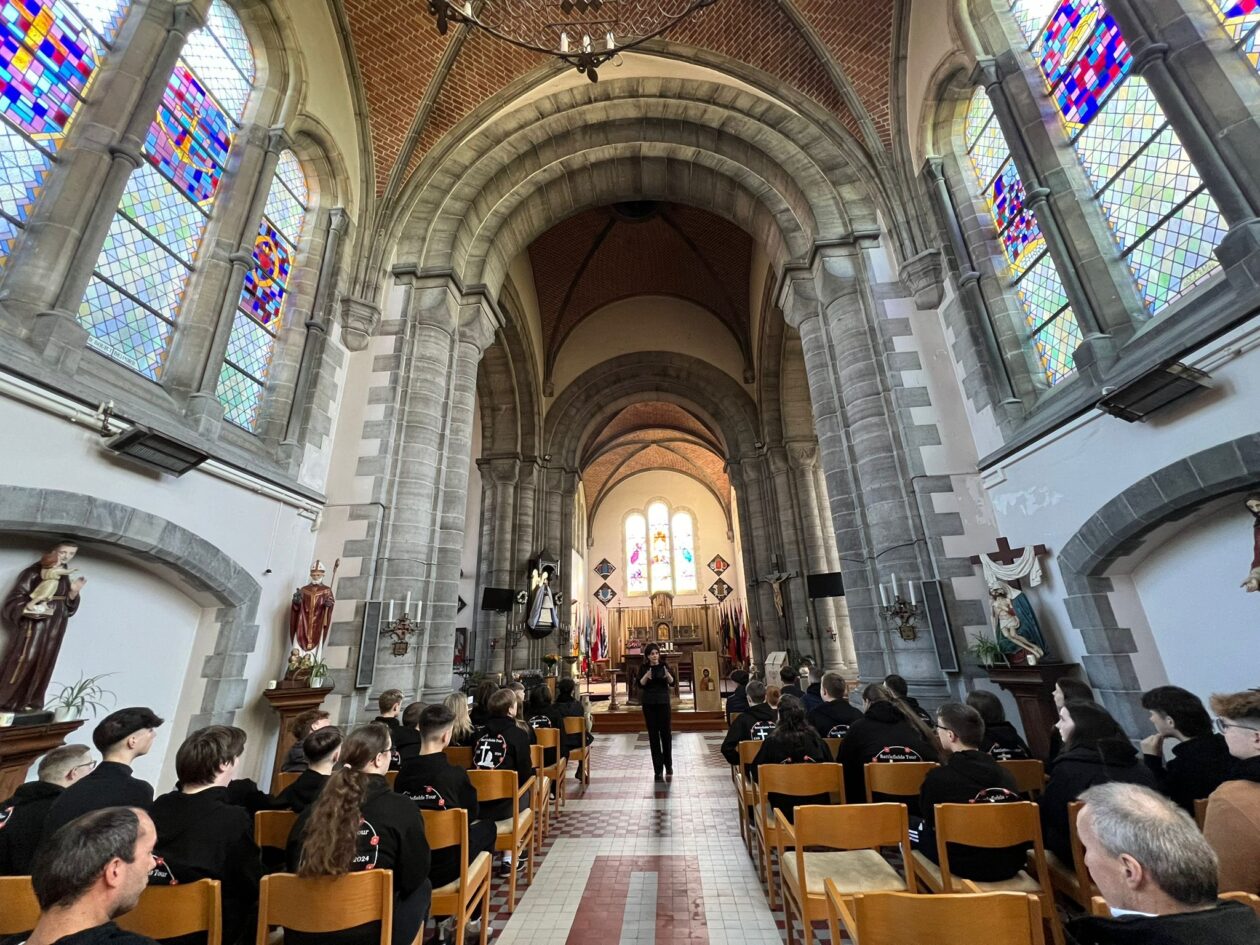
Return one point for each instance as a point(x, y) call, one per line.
point(550, 738)
point(576, 725)
point(516, 833)
point(1029, 774)
point(1072, 880)
point(1003, 918)
point(19, 909)
point(282, 780)
point(1098, 906)
point(805, 780)
point(391, 777)
point(541, 798)
point(461, 897)
point(896, 778)
point(1200, 812)
point(746, 789)
point(853, 835)
point(992, 826)
point(461, 756)
point(326, 903)
point(272, 828)
point(170, 911)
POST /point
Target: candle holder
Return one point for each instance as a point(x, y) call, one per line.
point(400, 630)
point(902, 612)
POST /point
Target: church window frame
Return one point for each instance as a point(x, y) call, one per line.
point(665, 578)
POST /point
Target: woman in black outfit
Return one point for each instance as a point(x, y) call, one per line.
point(1001, 740)
point(656, 683)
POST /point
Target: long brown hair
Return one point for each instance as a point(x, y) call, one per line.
point(332, 830)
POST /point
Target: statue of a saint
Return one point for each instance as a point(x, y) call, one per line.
point(1016, 628)
point(35, 615)
point(542, 608)
point(1252, 584)
point(309, 620)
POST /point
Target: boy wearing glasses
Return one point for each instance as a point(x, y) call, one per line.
point(1232, 825)
point(22, 815)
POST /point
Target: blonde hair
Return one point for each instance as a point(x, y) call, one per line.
point(462, 727)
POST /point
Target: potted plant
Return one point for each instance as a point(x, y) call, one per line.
point(550, 660)
point(68, 705)
point(319, 672)
point(985, 649)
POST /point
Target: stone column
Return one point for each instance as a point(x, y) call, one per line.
point(839, 605)
point(763, 620)
point(800, 620)
point(499, 478)
point(803, 461)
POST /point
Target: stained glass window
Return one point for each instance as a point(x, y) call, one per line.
point(49, 51)
point(659, 548)
point(1241, 18)
point(636, 554)
point(1164, 221)
point(683, 534)
point(1051, 324)
point(134, 298)
point(260, 311)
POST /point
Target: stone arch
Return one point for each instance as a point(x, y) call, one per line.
point(1115, 531)
point(55, 513)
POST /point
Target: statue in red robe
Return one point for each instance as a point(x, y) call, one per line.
point(309, 620)
point(1252, 584)
point(35, 622)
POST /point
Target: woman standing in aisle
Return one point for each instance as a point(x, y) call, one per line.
point(656, 683)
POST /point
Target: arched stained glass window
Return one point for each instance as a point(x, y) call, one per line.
point(682, 531)
point(1241, 18)
point(1052, 326)
point(134, 298)
point(260, 310)
point(1164, 221)
point(49, 52)
point(636, 554)
point(658, 548)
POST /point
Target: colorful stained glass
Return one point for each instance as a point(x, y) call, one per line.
point(123, 329)
point(265, 283)
point(291, 173)
point(249, 347)
point(23, 170)
point(210, 62)
point(636, 554)
point(1041, 292)
point(190, 137)
point(154, 204)
point(1241, 19)
point(989, 150)
point(659, 569)
point(104, 16)
point(1055, 344)
point(1031, 15)
point(683, 535)
point(141, 268)
point(1180, 254)
point(240, 397)
point(285, 210)
point(1110, 141)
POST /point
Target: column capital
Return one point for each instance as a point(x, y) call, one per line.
point(503, 470)
point(278, 139)
point(924, 276)
point(802, 455)
point(187, 18)
point(359, 321)
point(338, 220)
point(986, 73)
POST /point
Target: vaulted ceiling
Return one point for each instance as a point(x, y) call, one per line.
point(417, 85)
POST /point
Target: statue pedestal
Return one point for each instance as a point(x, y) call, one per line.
point(1033, 689)
point(22, 744)
point(289, 704)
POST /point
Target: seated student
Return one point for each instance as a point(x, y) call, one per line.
point(898, 687)
point(358, 823)
point(790, 679)
point(1095, 750)
point(883, 733)
point(407, 735)
point(773, 695)
point(833, 718)
point(1232, 826)
point(390, 704)
point(1001, 740)
point(1157, 874)
point(540, 712)
point(309, 721)
point(1200, 759)
point(967, 775)
point(22, 815)
point(754, 724)
point(503, 745)
point(813, 692)
point(89, 874)
point(479, 711)
point(121, 737)
point(567, 705)
point(737, 701)
point(203, 835)
point(793, 741)
point(322, 748)
point(1065, 691)
point(462, 730)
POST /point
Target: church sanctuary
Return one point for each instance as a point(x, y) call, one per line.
point(630, 472)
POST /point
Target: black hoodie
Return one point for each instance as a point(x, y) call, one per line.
point(1077, 769)
point(1230, 923)
point(110, 785)
point(882, 728)
point(406, 743)
point(833, 719)
point(1198, 767)
point(21, 822)
point(1002, 741)
point(967, 777)
point(107, 934)
point(793, 748)
point(753, 724)
point(502, 745)
point(302, 793)
point(433, 783)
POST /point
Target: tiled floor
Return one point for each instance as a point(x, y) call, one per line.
point(633, 862)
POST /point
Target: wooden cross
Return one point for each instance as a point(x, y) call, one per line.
point(1007, 555)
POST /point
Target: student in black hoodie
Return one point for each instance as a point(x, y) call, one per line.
point(22, 816)
point(358, 823)
point(967, 775)
point(790, 680)
point(303, 725)
point(504, 745)
point(737, 701)
point(390, 703)
point(407, 735)
point(1200, 760)
point(322, 749)
point(793, 742)
point(754, 724)
point(833, 718)
point(1001, 740)
point(898, 687)
point(540, 713)
point(1096, 751)
point(479, 712)
point(121, 738)
point(884, 733)
point(567, 706)
point(88, 875)
point(203, 835)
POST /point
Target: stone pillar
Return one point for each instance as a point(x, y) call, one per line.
point(803, 461)
point(499, 479)
point(839, 605)
point(763, 620)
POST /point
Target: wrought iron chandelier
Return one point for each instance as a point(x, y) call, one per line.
point(584, 33)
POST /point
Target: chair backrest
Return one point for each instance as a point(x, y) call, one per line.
point(536, 756)
point(548, 737)
point(391, 777)
point(833, 745)
point(897, 778)
point(992, 826)
point(1246, 898)
point(575, 725)
point(1009, 918)
point(804, 780)
point(747, 752)
point(1200, 811)
point(19, 909)
point(326, 903)
point(854, 827)
point(448, 828)
point(1083, 879)
point(283, 779)
point(493, 785)
point(272, 828)
point(1029, 774)
point(170, 911)
point(461, 756)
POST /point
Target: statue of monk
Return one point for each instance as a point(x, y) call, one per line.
point(310, 616)
point(35, 621)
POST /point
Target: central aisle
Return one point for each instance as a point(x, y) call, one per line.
point(633, 862)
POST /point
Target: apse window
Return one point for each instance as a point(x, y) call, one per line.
point(660, 551)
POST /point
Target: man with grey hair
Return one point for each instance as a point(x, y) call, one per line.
point(1156, 872)
point(22, 816)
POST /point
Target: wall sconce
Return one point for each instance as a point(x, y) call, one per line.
point(401, 629)
point(899, 610)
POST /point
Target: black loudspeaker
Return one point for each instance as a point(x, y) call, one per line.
point(830, 584)
point(497, 598)
point(937, 615)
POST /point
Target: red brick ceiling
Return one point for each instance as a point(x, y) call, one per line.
point(398, 53)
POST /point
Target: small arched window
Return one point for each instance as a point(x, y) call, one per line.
point(682, 534)
point(636, 554)
point(1241, 19)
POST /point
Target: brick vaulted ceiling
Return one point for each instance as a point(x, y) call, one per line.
point(417, 85)
point(612, 253)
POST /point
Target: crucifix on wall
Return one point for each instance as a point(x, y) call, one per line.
point(776, 582)
point(1009, 557)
